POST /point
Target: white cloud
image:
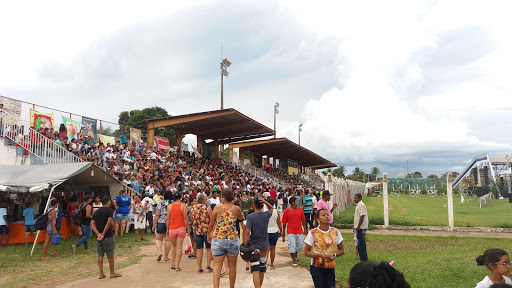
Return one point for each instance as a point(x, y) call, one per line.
point(384, 66)
point(375, 83)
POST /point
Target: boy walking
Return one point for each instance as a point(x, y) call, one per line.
point(256, 233)
point(293, 217)
point(101, 225)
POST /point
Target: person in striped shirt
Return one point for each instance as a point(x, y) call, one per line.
point(307, 204)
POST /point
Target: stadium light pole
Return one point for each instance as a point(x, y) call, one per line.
point(300, 130)
point(223, 72)
point(276, 111)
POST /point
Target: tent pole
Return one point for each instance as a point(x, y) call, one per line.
point(45, 209)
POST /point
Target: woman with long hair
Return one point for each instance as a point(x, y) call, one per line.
point(63, 132)
point(177, 221)
point(51, 228)
point(223, 236)
point(160, 227)
point(86, 216)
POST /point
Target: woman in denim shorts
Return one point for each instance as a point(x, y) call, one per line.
point(160, 226)
point(225, 236)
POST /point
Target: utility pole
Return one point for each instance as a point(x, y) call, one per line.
point(276, 111)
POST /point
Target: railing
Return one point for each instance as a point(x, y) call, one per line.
point(21, 134)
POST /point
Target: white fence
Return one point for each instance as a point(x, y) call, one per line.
point(342, 191)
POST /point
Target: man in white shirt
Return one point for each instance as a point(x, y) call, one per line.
point(360, 226)
point(214, 200)
point(150, 189)
point(149, 214)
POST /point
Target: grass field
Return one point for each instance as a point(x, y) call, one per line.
point(426, 262)
point(19, 269)
point(432, 211)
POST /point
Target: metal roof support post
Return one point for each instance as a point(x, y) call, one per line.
point(45, 209)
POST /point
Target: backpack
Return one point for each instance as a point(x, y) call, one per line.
point(42, 221)
point(76, 215)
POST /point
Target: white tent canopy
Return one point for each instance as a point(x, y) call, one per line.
point(369, 185)
point(37, 178)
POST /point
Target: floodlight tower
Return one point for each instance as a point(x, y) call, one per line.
point(223, 72)
point(276, 111)
point(300, 130)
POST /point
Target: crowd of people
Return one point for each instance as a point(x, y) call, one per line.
point(220, 208)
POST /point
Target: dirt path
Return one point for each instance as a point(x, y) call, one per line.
point(150, 273)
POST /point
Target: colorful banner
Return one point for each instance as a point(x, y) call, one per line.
point(89, 125)
point(107, 139)
point(72, 126)
point(135, 134)
point(162, 143)
point(40, 120)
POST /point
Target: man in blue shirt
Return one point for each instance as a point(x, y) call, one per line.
point(30, 223)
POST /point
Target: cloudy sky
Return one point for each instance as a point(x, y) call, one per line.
point(375, 83)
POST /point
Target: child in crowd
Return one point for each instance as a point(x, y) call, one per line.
point(323, 244)
point(30, 224)
point(498, 262)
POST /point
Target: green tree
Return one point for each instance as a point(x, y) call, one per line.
point(137, 119)
point(442, 189)
point(325, 172)
point(339, 172)
point(416, 174)
point(433, 176)
point(359, 174)
point(374, 173)
point(107, 131)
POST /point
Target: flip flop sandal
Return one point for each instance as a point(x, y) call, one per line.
point(200, 271)
point(102, 277)
point(209, 269)
point(178, 269)
point(116, 276)
point(173, 267)
point(294, 265)
point(224, 274)
point(159, 258)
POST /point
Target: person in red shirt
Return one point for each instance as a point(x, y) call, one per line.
point(293, 217)
point(273, 194)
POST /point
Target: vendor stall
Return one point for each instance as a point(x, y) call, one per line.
point(39, 183)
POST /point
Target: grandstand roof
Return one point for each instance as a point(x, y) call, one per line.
point(226, 125)
point(283, 148)
point(500, 160)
